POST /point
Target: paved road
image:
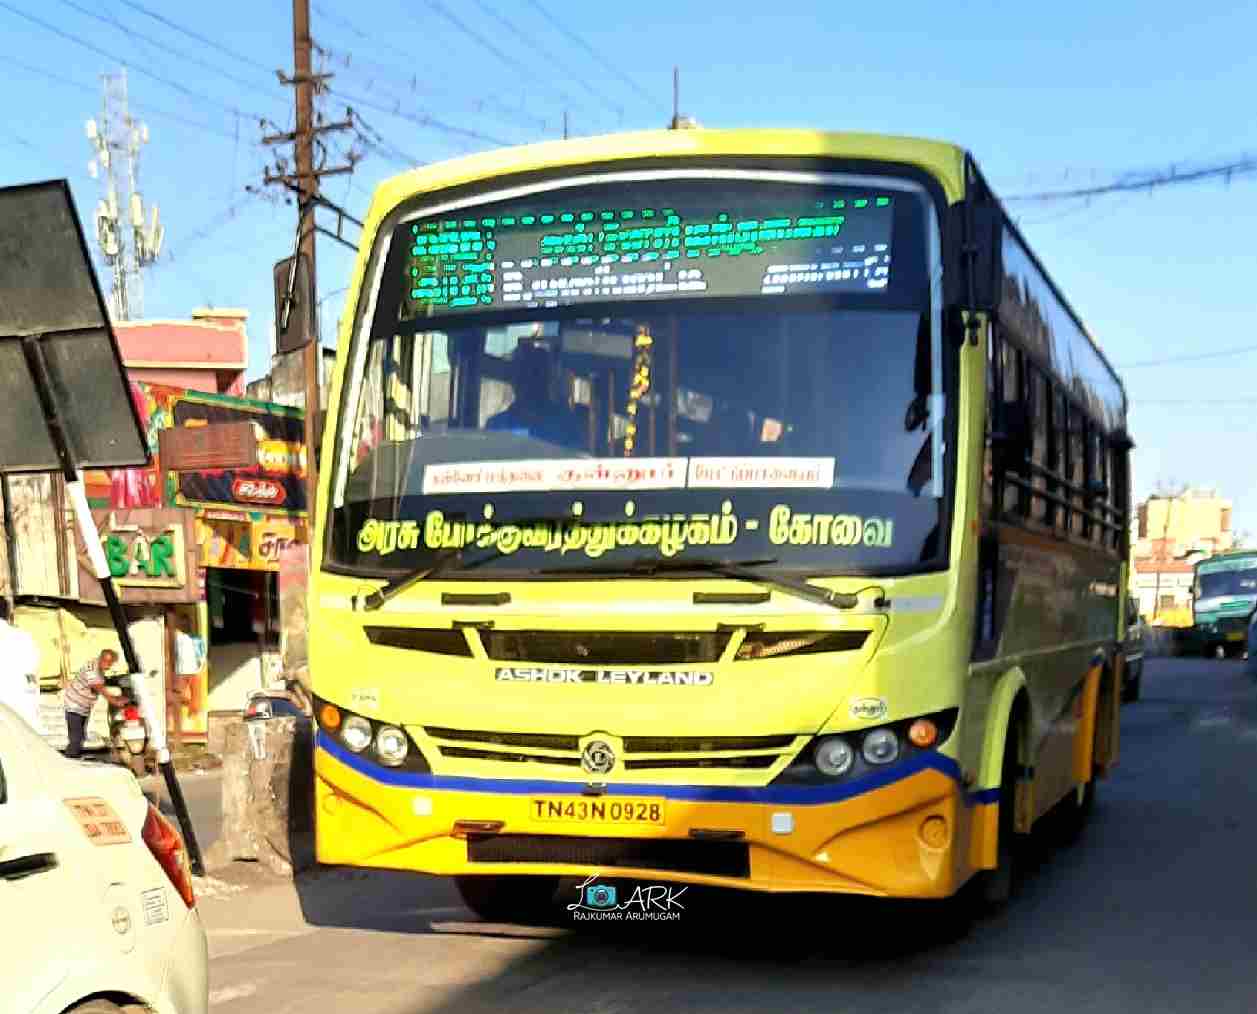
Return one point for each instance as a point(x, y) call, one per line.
point(1154, 909)
point(203, 793)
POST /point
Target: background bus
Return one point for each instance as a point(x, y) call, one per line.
point(1224, 596)
point(731, 507)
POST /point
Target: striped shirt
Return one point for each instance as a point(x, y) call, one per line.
point(81, 691)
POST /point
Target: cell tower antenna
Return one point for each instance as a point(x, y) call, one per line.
point(128, 242)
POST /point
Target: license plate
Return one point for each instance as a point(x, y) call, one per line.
point(133, 732)
point(602, 810)
point(1237, 636)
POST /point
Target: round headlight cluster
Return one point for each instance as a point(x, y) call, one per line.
point(391, 746)
point(833, 756)
point(881, 746)
point(356, 733)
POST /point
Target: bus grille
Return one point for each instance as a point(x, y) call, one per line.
point(641, 753)
point(713, 858)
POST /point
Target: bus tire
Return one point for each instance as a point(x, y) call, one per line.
point(515, 899)
point(996, 887)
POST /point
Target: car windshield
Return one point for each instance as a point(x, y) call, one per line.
point(798, 417)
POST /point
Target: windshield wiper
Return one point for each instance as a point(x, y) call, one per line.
point(742, 570)
point(445, 559)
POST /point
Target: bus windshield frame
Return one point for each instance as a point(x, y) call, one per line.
point(377, 315)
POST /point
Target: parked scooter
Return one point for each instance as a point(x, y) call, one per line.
point(128, 731)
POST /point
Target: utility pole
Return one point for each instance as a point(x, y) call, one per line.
point(308, 188)
point(117, 138)
point(305, 183)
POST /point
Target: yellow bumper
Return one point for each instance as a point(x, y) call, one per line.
point(912, 836)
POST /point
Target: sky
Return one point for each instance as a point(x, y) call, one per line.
point(1047, 99)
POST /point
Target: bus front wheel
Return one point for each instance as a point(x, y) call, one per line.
point(518, 899)
point(997, 885)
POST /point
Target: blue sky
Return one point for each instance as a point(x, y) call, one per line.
point(1046, 98)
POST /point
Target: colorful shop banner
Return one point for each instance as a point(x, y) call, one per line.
point(247, 545)
point(276, 484)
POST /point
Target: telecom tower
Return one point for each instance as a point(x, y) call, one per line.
point(116, 139)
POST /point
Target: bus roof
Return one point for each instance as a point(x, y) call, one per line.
point(943, 161)
point(1227, 560)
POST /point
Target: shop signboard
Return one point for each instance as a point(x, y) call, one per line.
point(151, 555)
point(245, 543)
point(190, 428)
point(275, 484)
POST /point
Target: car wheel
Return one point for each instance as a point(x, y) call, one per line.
point(517, 899)
point(105, 1007)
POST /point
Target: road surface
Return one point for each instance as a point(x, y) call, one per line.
point(1154, 909)
point(203, 793)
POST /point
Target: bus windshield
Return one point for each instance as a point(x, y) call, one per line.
point(1229, 582)
point(802, 426)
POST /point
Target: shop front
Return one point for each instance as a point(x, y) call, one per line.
point(152, 557)
point(244, 508)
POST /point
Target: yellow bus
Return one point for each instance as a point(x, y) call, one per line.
point(741, 508)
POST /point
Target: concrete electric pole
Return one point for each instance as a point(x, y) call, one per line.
point(127, 242)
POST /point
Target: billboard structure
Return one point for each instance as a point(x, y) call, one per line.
point(64, 399)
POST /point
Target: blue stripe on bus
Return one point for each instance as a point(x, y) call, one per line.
point(792, 795)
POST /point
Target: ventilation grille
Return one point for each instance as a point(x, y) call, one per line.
point(717, 859)
point(773, 645)
point(471, 753)
point(703, 744)
point(594, 648)
point(641, 753)
point(439, 642)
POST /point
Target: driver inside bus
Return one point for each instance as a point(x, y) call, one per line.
point(535, 411)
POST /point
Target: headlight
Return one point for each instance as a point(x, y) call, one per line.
point(833, 756)
point(391, 746)
point(356, 733)
point(881, 746)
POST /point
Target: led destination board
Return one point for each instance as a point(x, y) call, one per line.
point(671, 240)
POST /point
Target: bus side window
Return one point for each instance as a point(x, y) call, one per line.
point(1040, 509)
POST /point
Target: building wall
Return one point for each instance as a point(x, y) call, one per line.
point(1195, 519)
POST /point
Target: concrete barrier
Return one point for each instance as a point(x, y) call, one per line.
point(268, 794)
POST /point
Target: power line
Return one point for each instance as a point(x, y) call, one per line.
point(488, 44)
point(481, 105)
point(600, 57)
point(200, 97)
point(1242, 350)
point(143, 107)
point(19, 140)
point(163, 46)
point(220, 219)
point(546, 54)
point(372, 138)
point(1148, 181)
point(420, 119)
point(204, 40)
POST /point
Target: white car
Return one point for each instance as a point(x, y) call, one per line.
point(95, 890)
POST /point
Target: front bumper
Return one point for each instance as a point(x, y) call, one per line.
point(868, 836)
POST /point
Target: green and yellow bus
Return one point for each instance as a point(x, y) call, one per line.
point(742, 508)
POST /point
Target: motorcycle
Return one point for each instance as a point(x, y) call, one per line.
point(128, 731)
